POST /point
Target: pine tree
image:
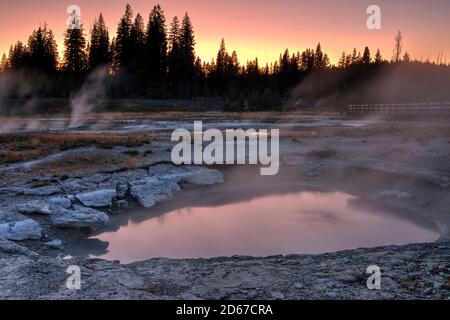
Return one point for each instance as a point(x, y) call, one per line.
point(354, 59)
point(285, 63)
point(51, 49)
point(366, 56)
point(221, 71)
point(43, 51)
point(221, 60)
point(36, 48)
point(137, 45)
point(4, 65)
point(75, 57)
point(406, 57)
point(307, 60)
point(187, 55)
point(122, 43)
point(99, 47)
point(234, 64)
point(378, 58)
point(318, 58)
point(174, 55)
point(18, 56)
point(348, 60)
point(174, 33)
point(398, 47)
point(343, 60)
point(157, 45)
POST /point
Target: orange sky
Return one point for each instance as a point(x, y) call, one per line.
point(261, 28)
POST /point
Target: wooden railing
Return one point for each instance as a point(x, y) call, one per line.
point(423, 107)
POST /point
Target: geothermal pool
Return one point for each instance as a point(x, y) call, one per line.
point(290, 223)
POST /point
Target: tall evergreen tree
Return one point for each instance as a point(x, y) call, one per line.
point(187, 54)
point(137, 44)
point(75, 57)
point(18, 56)
point(318, 58)
point(43, 51)
point(307, 60)
point(156, 50)
point(398, 47)
point(366, 56)
point(221, 60)
point(343, 60)
point(174, 55)
point(406, 57)
point(99, 48)
point(4, 65)
point(378, 58)
point(122, 43)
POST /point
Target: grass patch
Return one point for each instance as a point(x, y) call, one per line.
point(29, 146)
point(324, 153)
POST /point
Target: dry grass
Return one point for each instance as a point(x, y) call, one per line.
point(324, 153)
point(405, 131)
point(24, 146)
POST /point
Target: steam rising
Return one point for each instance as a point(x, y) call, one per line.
point(391, 83)
point(88, 97)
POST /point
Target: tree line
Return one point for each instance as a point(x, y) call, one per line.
point(151, 59)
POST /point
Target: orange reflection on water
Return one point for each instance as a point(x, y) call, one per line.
point(305, 222)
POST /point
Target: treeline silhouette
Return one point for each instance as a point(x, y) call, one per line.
point(158, 61)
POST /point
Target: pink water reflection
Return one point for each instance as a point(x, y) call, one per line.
point(305, 222)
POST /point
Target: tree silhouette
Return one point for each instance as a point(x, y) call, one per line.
point(321, 60)
point(75, 57)
point(137, 56)
point(99, 47)
point(18, 56)
point(366, 59)
point(4, 65)
point(406, 57)
point(187, 56)
point(307, 60)
point(174, 55)
point(43, 51)
point(398, 47)
point(356, 57)
point(343, 61)
point(156, 52)
point(122, 43)
point(378, 57)
point(151, 61)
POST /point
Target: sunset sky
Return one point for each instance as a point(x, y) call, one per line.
point(261, 28)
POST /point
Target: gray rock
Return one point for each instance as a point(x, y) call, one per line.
point(290, 277)
point(21, 230)
point(122, 205)
point(122, 189)
point(204, 177)
point(42, 191)
point(34, 207)
point(153, 190)
point(10, 247)
point(55, 244)
point(97, 199)
point(189, 174)
point(79, 217)
point(61, 202)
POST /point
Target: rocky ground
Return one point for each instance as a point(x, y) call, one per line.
point(47, 203)
point(418, 271)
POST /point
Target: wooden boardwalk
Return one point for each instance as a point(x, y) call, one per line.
point(429, 108)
